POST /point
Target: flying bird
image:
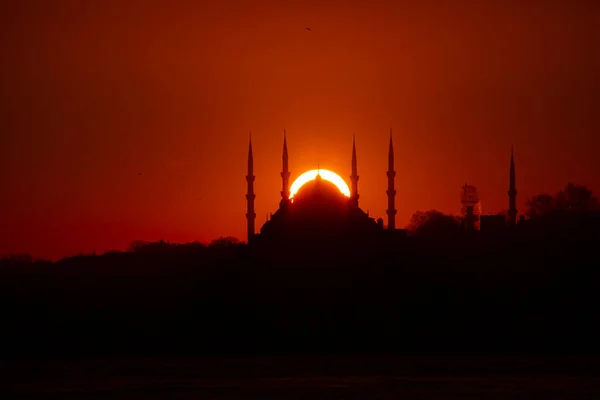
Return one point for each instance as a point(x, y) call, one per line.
point(140, 173)
point(308, 29)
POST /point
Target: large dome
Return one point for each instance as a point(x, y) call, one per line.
point(319, 193)
point(318, 213)
point(319, 205)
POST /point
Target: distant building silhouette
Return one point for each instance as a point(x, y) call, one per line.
point(498, 222)
point(508, 219)
point(471, 208)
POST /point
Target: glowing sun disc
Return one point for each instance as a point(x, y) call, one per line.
point(329, 176)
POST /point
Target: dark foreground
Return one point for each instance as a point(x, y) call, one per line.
point(299, 377)
point(169, 321)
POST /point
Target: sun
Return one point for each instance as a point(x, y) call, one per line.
point(327, 175)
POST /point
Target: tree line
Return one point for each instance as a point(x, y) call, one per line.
point(573, 201)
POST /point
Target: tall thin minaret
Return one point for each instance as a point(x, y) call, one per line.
point(285, 173)
point(354, 177)
point(250, 196)
point(391, 192)
point(512, 193)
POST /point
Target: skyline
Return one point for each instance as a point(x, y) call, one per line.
point(95, 94)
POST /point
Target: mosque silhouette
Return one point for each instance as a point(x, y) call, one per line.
point(319, 210)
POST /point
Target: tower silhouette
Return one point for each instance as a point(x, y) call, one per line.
point(354, 177)
point(391, 192)
point(285, 173)
point(512, 193)
point(250, 196)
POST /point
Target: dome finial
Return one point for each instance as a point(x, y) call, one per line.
point(318, 177)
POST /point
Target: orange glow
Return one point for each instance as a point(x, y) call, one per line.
point(93, 95)
point(326, 175)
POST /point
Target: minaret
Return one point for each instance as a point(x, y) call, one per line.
point(250, 196)
point(285, 173)
point(354, 177)
point(512, 193)
point(391, 192)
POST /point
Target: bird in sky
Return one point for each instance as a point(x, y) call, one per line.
point(308, 29)
point(140, 173)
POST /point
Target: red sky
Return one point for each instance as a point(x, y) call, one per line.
point(94, 92)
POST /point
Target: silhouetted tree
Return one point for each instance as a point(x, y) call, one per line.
point(109, 252)
point(137, 245)
point(576, 198)
point(540, 205)
point(151, 247)
point(18, 259)
point(225, 242)
point(433, 223)
point(572, 199)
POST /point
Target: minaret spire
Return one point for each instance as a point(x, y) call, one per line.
point(512, 193)
point(354, 177)
point(250, 196)
point(391, 192)
point(285, 173)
